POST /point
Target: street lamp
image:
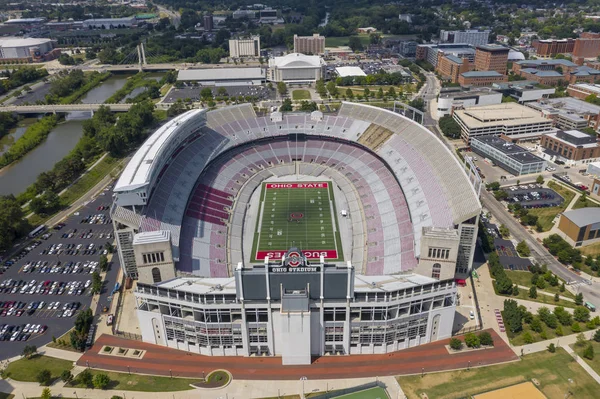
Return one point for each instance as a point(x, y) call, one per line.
point(75, 393)
point(303, 379)
point(171, 372)
point(422, 372)
point(128, 370)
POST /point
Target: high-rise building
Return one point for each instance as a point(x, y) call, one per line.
point(586, 46)
point(208, 23)
point(552, 47)
point(248, 47)
point(491, 57)
point(314, 44)
point(472, 36)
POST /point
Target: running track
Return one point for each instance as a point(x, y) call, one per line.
point(160, 360)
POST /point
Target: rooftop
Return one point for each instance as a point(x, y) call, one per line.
point(494, 48)
point(583, 216)
point(481, 74)
point(591, 87)
point(505, 114)
point(151, 237)
point(565, 63)
point(21, 42)
point(350, 71)
point(574, 138)
point(484, 91)
point(574, 104)
point(454, 59)
point(296, 60)
point(513, 151)
point(221, 74)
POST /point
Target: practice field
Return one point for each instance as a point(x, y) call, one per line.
point(299, 214)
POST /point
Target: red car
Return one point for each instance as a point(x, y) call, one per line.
point(19, 313)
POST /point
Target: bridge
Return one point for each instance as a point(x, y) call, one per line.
point(57, 108)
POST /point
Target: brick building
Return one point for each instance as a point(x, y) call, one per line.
point(450, 67)
point(582, 90)
point(580, 227)
point(491, 57)
point(552, 47)
point(571, 146)
point(312, 45)
point(481, 78)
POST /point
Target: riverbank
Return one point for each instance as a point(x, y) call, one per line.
point(35, 134)
point(93, 81)
point(140, 79)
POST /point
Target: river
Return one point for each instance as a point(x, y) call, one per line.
point(15, 178)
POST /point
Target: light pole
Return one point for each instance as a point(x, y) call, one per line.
point(171, 372)
point(75, 393)
point(303, 379)
point(422, 372)
point(128, 370)
point(469, 365)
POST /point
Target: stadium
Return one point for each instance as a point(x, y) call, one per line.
point(295, 235)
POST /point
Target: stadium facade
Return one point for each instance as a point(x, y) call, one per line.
point(186, 206)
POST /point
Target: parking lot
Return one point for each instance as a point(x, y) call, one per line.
point(509, 258)
point(533, 196)
point(261, 93)
point(50, 281)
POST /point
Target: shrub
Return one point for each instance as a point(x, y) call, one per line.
point(485, 338)
point(44, 377)
point(581, 314)
point(66, 376)
point(551, 348)
point(456, 344)
point(101, 381)
point(536, 325)
point(597, 336)
point(576, 327)
point(85, 378)
point(533, 292)
point(588, 353)
point(559, 331)
point(581, 341)
point(472, 340)
point(46, 394)
point(556, 297)
point(527, 338)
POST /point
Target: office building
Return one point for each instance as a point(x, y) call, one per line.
point(407, 48)
point(310, 45)
point(296, 68)
point(571, 146)
point(239, 14)
point(510, 157)
point(586, 46)
point(473, 37)
point(223, 76)
point(491, 57)
point(433, 52)
point(551, 47)
point(246, 47)
point(109, 23)
point(450, 67)
point(568, 113)
point(481, 78)
point(523, 91)
point(583, 90)
point(507, 119)
point(448, 102)
point(580, 227)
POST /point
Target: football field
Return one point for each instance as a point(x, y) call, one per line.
point(298, 214)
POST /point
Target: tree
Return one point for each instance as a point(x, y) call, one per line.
point(513, 318)
point(282, 88)
point(44, 377)
point(332, 88)
point(46, 394)
point(559, 331)
point(579, 299)
point(485, 338)
point(286, 106)
point(457, 344)
point(576, 327)
point(597, 336)
point(103, 263)
point(96, 283)
point(355, 43)
point(85, 378)
point(551, 348)
point(37, 205)
point(581, 314)
point(588, 352)
point(533, 292)
point(101, 381)
point(66, 376)
point(418, 103)
point(562, 287)
point(500, 195)
point(472, 340)
point(536, 325)
point(539, 179)
point(523, 249)
point(450, 128)
point(556, 297)
point(349, 93)
point(504, 232)
point(527, 338)
point(29, 351)
point(515, 290)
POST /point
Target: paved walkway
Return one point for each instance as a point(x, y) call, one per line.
point(160, 360)
point(583, 364)
point(546, 293)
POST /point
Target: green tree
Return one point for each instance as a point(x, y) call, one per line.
point(450, 128)
point(581, 314)
point(96, 283)
point(66, 376)
point(500, 195)
point(523, 249)
point(332, 88)
point(85, 378)
point(349, 93)
point(588, 352)
point(527, 338)
point(551, 348)
point(597, 336)
point(515, 290)
point(457, 344)
point(103, 263)
point(355, 43)
point(286, 106)
point(504, 232)
point(44, 377)
point(576, 327)
point(101, 381)
point(29, 351)
point(533, 292)
point(282, 88)
point(556, 297)
point(562, 287)
point(46, 394)
point(485, 338)
point(579, 299)
point(472, 340)
point(559, 331)
point(536, 325)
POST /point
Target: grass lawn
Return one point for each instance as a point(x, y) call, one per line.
point(593, 249)
point(28, 369)
point(89, 180)
point(517, 339)
point(6, 395)
point(144, 383)
point(372, 393)
point(552, 370)
point(595, 363)
point(588, 203)
point(301, 95)
point(524, 278)
point(541, 298)
point(546, 215)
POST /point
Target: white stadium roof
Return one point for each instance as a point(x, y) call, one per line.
point(349, 71)
point(212, 74)
point(7, 42)
point(137, 172)
point(296, 60)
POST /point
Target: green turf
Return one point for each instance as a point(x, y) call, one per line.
point(301, 95)
point(372, 393)
point(316, 229)
point(28, 369)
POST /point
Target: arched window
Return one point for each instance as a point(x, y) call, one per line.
point(156, 275)
point(436, 270)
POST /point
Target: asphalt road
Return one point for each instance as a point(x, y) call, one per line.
point(538, 251)
point(57, 326)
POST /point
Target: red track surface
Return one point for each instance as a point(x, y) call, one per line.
point(160, 360)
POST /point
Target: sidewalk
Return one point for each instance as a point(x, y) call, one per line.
point(237, 389)
point(546, 293)
point(583, 364)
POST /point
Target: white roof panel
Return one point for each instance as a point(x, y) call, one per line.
point(350, 71)
point(221, 74)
